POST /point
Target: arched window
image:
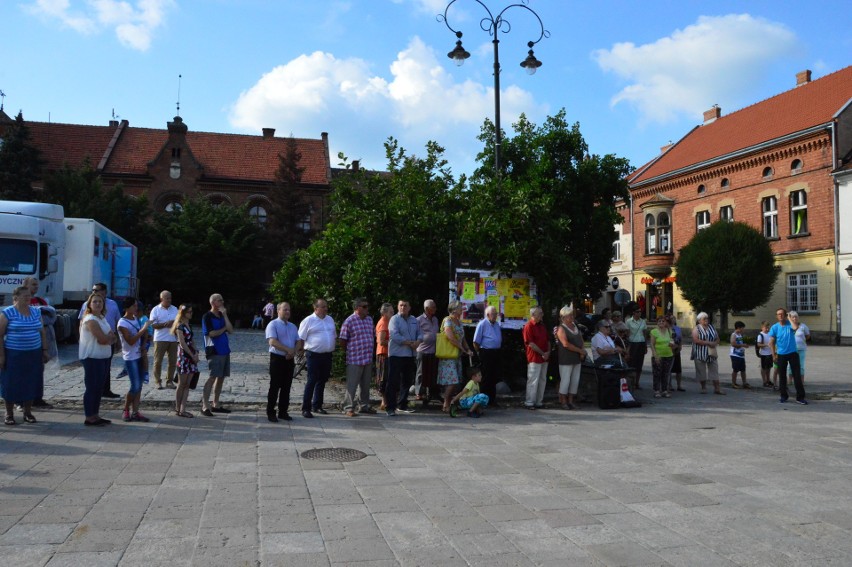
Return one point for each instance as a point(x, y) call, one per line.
point(650, 234)
point(796, 167)
point(725, 183)
point(258, 214)
point(173, 207)
point(770, 217)
point(664, 233)
point(767, 173)
point(799, 212)
point(702, 189)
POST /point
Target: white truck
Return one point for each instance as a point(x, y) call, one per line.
point(67, 255)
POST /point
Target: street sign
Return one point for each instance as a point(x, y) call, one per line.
point(622, 297)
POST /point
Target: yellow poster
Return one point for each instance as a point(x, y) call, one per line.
point(520, 286)
point(469, 291)
point(502, 287)
point(494, 301)
point(517, 307)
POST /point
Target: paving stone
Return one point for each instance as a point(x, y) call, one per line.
point(355, 549)
point(87, 558)
point(618, 554)
point(35, 534)
point(299, 543)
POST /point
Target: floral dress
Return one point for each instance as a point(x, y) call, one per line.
point(186, 365)
point(450, 370)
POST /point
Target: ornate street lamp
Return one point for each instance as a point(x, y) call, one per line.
point(493, 24)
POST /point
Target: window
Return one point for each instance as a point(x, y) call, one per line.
point(702, 220)
point(650, 234)
point(802, 292)
point(176, 153)
point(173, 207)
point(18, 256)
point(258, 215)
point(616, 247)
point(770, 217)
point(767, 173)
point(725, 183)
point(701, 189)
point(726, 213)
point(796, 167)
point(97, 246)
point(798, 212)
point(663, 232)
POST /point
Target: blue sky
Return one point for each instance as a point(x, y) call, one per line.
point(634, 74)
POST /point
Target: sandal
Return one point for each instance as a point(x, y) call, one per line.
point(30, 418)
point(184, 414)
point(10, 420)
point(735, 386)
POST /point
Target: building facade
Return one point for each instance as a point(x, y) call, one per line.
point(769, 165)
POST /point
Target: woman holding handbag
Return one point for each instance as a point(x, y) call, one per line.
point(448, 348)
point(187, 359)
point(705, 339)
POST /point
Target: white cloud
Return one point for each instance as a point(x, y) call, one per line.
point(717, 59)
point(359, 108)
point(134, 25)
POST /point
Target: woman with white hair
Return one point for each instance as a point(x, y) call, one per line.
point(571, 352)
point(705, 340)
point(803, 335)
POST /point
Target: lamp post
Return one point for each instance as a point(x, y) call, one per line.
point(494, 24)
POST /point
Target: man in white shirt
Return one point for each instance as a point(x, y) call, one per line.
point(162, 317)
point(319, 336)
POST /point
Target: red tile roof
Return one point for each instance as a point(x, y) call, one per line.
point(223, 156)
point(798, 109)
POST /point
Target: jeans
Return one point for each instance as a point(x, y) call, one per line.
point(134, 374)
point(795, 369)
point(95, 374)
point(319, 369)
point(280, 382)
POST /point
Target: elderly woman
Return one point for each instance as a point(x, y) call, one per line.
point(677, 367)
point(95, 353)
point(570, 352)
point(450, 369)
point(23, 352)
point(662, 344)
point(803, 335)
point(705, 341)
point(382, 342)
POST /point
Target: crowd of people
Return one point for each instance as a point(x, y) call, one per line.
point(407, 352)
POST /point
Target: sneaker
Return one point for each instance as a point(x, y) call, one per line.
point(271, 417)
point(657, 395)
point(802, 402)
point(391, 413)
point(207, 412)
point(307, 414)
point(320, 411)
point(782, 401)
point(405, 410)
point(126, 415)
point(139, 417)
point(285, 417)
point(667, 395)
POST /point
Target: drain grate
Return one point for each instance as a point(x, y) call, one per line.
point(335, 455)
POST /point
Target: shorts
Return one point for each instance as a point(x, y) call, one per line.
point(766, 361)
point(738, 363)
point(467, 403)
point(219, 365)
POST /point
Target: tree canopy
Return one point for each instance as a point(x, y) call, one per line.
point(729, 266)
point(20, 162)
point(551, 211)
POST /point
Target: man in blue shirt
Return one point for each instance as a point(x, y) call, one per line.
point(487, 341)
point(215, 327)
point(404, 337)
point(782, 341)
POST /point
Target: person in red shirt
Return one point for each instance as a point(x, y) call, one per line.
point(538, 353)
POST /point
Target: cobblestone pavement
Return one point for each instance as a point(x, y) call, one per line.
point(693, 480)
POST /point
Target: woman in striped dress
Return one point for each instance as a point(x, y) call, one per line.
point(23, 352)
point(705, 340)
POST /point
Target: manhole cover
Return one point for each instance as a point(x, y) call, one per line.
point(337, 455)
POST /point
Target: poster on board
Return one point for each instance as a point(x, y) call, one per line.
point(511, 296)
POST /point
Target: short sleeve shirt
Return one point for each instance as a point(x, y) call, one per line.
point(213, 322)
point(536, 334)
point(357, 331)
point(381, 326)
point(284, 332)
point(785, 340)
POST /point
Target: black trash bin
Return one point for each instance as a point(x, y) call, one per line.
point(603, 382)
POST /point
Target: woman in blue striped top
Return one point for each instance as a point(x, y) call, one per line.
point(23, 352)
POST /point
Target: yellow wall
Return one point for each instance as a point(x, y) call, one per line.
point(821, 261)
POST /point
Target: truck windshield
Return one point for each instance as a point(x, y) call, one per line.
point(18, 256)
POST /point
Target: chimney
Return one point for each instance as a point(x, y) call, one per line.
point(712, 114)
point(356, 165)
point(113, 123)
point(667, 147)
point(268, 133)
point(803, 77)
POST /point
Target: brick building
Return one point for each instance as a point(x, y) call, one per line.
point(175, 163)
point(769, 165)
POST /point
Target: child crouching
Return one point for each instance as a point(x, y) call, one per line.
point(469, 398)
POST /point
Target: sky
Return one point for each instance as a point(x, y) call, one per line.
point(635, 75)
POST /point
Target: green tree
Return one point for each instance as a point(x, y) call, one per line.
point(82, 194)
point(550, 212)
point(20, 162)
point(388, 236)
point(286, 226)
point(727, 267)
point(201, 249)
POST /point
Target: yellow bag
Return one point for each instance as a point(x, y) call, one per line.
point(444, 349)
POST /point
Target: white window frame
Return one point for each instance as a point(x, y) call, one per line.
point(664, 231)
point(726, 213)
point(616, 247)
point(702, 221)
point(802, 292)
point(650, 234)
point(769, 206)
point(799, 205)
